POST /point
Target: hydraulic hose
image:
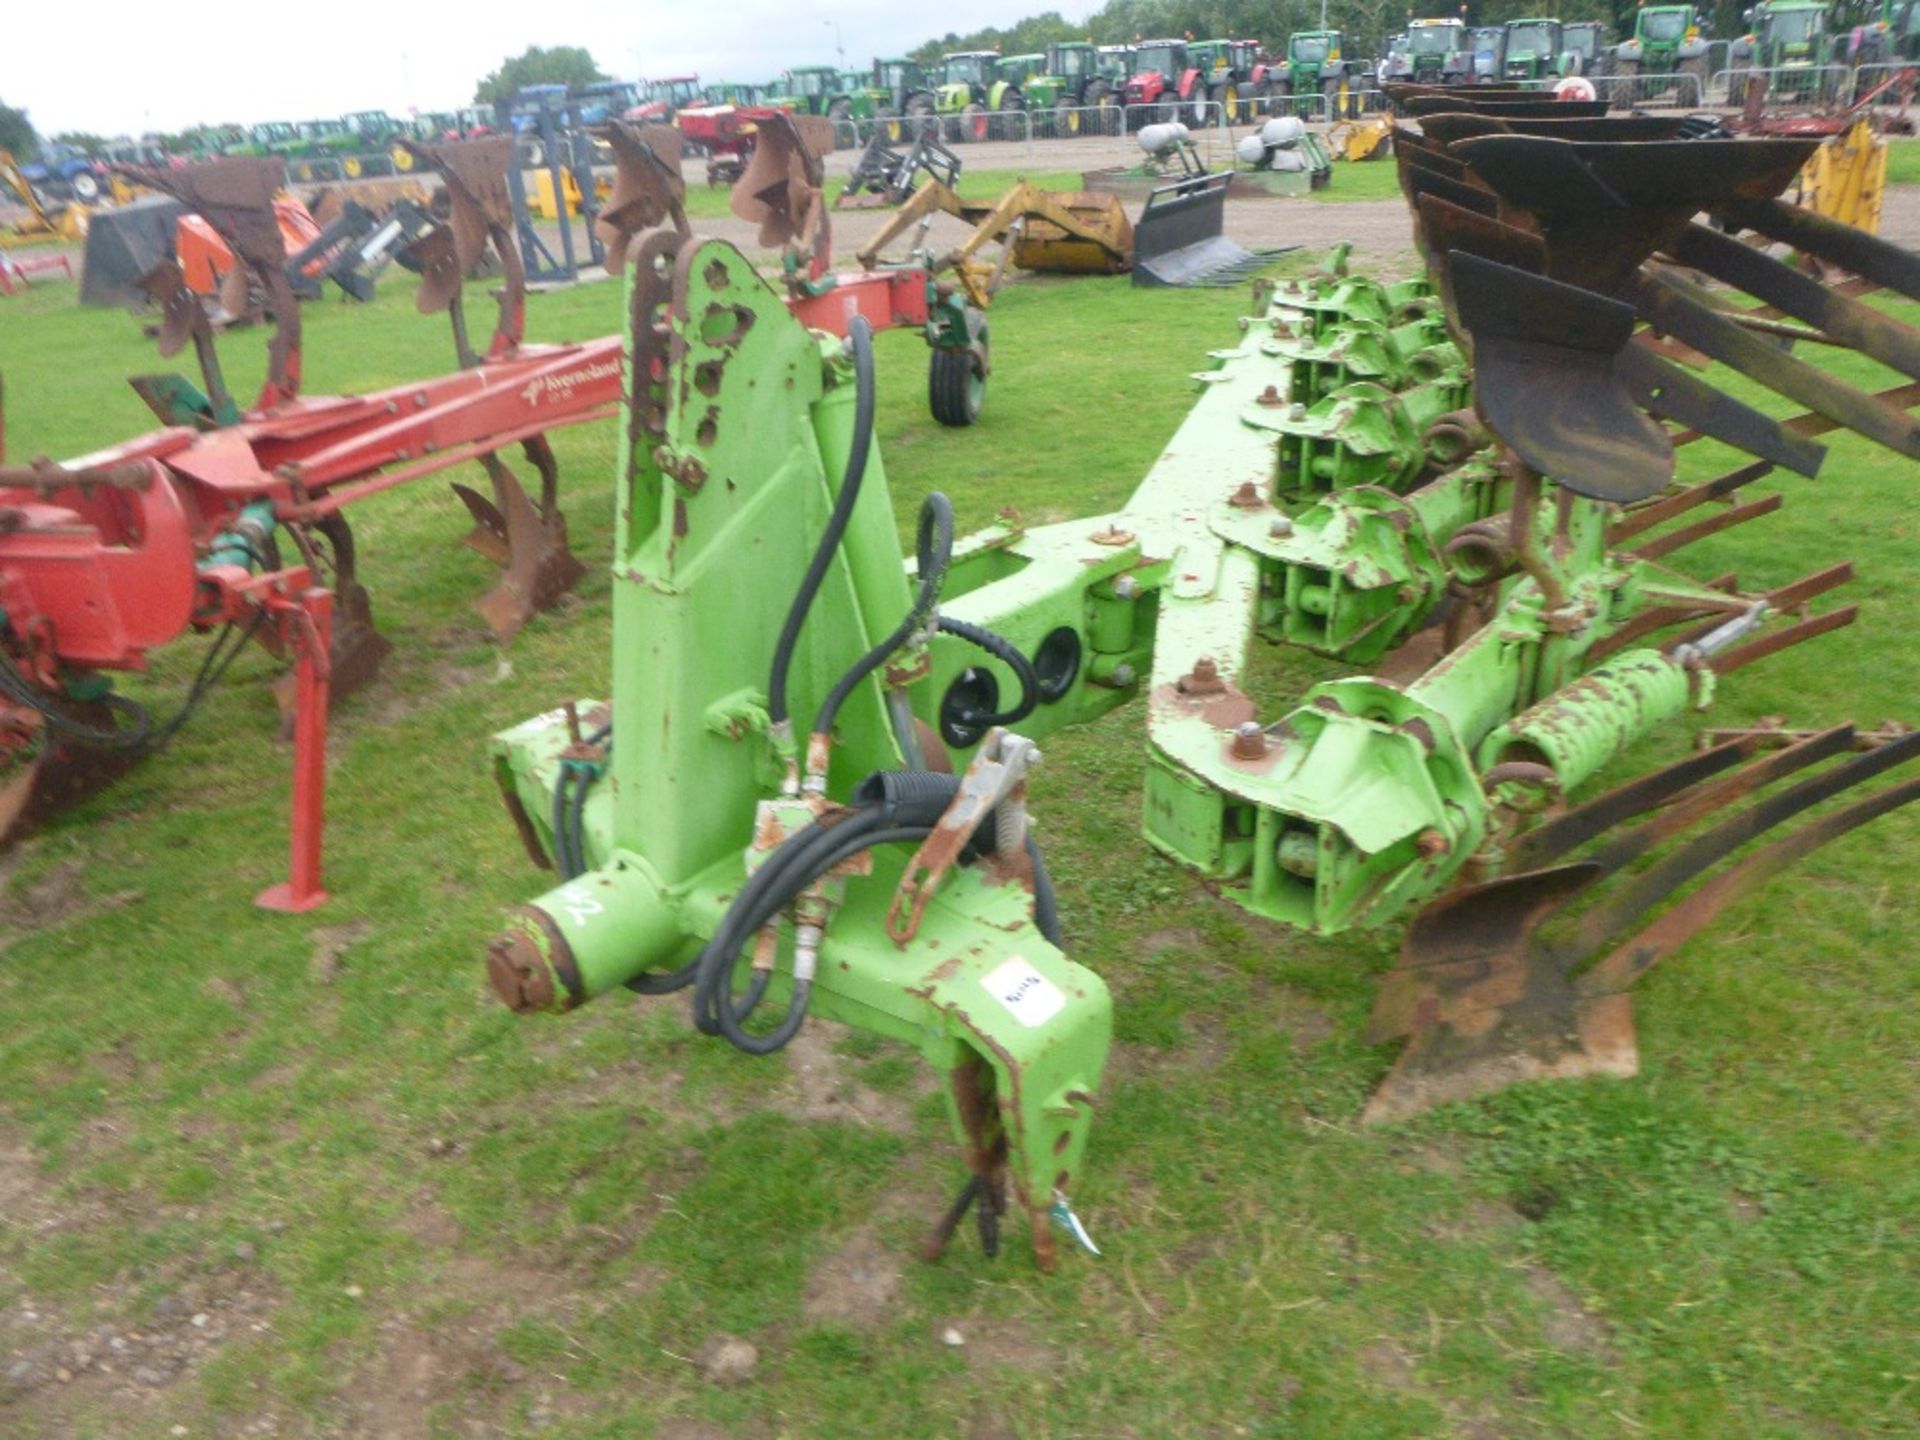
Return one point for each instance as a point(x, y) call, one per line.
point(933, 546)
point(892, 807)
point(860, 341)
point(1005, 651)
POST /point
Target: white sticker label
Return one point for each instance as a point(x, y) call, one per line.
point(1031, 997)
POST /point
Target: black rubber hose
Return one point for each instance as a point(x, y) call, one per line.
point(129, 736)
point(933, 547)
point(1008, 653)
point(900, 807)
point(562, 843)
point(860, 340)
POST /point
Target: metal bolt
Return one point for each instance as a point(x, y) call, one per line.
point(1297, 412)
point(1270, 397)
point(1126, 588)
point(1249, 741)
point(1281, 528)
point(1204, 669)
point(1432, 844)
point(1121, 677)
point(1247, 497)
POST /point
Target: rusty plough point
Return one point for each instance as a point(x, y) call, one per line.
point(539, 567)
point(648, 189)
point(1487, 996)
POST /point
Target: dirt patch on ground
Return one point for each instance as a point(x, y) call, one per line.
point(58, 896)
point(994, 1347)
point(330, 945)
point(857, 1286)
point(1384, 1363)
point(819, 1086)
point(1568, 1325)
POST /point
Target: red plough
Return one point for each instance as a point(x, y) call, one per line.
point(107, 557)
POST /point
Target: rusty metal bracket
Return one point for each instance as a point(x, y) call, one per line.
point(995, 784)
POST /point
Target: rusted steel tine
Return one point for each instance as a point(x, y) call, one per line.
point(1673, 306)
point(1733, 515)
point(1629, 961)
point(1866, 255)
point(1571, 829)
point(1599, 925)
point(1901, 397)
point(1742, 656)
point(1642, 518)
point(1787, 597)
point(1872, 332)
point(1683, 809)
point(1665, 390)
point(1648, 622)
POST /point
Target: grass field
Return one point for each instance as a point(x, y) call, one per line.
point(262, 1176)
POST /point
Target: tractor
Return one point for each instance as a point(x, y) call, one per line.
point(606, 100)
point(377, 147)
point(1586, 42)
point(1488, 45)
point(1076, 79)
point(1666, 40)
point(1236, 76)
point(63, 171)
point(1535, 50)
point(1011, 75)
point(1316, 64)
point(966, 79)
point(903, 99)
point(1891, 35)
point(667, 97)
point(1437, 52)
point(1166, 76)
point(1791, 43)
point(821, 91)
point(1395, 63)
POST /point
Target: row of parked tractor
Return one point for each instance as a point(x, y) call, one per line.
point(1794, 42)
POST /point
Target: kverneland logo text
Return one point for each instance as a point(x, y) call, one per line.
point(545, 387)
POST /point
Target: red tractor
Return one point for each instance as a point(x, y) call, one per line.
point(1167, 79)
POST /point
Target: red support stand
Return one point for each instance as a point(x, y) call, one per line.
point(308, 622)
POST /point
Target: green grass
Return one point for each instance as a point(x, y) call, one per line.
point(534, 1224)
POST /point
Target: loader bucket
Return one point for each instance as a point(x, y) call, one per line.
point(1179, 241)
point(124, 244)
point(1100, 245)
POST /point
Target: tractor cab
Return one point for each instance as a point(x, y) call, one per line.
point(1011, 74)
point(668, 96)
point(1489, 44)
point(1116, 64)
point(965, 77)
point(1397, 63)
point(817, 88)
point(1436, 51)
point(1584, 40)
point(1533, 49)
point(609, 100)
point(1163, 73)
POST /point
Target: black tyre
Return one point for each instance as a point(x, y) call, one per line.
point(86, 186)
point(957, 384)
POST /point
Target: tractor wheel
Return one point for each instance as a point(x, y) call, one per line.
point(1066, 119)
point(403, 161)
point(1279, 98)
point(1695, 94)
point(1626, 82)
point(957, 385)
point(1008, 124)
point(1330, 90)
point(353, 167)
point(1104, 120)
point(1227, 96)
point(973, 122)
point(530, 152)
point(921, 119)
point(840, 113)
point(86, 186)
point(888, 123)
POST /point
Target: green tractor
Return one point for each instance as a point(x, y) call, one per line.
point(1011, 75)
point(1666, 40)
point(1535, 50)
point(376, 149)
point(1586, 42)
point(821, 90)
point(1891, 36)
point(903, 99)
point(1317, 64)
point(1074, 79)
point(1235, 74)
point(1438, 53)
point(1791, 46)
point(966, 78)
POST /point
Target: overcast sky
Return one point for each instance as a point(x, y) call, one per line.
point(112, 67)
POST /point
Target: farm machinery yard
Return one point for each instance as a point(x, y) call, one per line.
point(1409, 605)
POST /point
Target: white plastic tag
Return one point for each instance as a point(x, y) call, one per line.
point(1030, 996)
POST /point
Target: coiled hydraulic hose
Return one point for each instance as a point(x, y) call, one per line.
point(1005, 651)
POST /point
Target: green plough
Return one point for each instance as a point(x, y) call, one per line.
point(806, 791)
